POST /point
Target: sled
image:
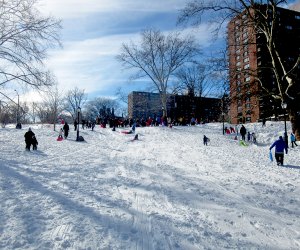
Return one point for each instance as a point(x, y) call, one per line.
point(59, 139)
point(243, 143)
point(127, 132)
point(270, 156)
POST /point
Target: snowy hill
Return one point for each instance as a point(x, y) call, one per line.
point(165, 191)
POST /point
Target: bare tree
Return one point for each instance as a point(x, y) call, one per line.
point(196, 79)
point(94, 106)
point(157, 57)
point(53, 102)
point(75, 98)
point(25, 37)
point(121, 95)
point(263, 17)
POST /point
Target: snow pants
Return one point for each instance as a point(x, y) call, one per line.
point(28, 144)
point(279, 158)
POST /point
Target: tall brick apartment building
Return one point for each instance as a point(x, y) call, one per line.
point(249, 60)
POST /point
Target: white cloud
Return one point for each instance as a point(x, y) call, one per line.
point(89, 64)
point(76, 8)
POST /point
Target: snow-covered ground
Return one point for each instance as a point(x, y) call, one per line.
point(165, 191)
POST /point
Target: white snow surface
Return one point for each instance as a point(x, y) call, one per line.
point(165, 191)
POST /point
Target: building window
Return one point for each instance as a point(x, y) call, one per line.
point(248, 105)
point(238, 51)
point(238, 63)
point(247, 66)
point(246, 59)
point(248, 112)
point(248, 119)
point(297, 17)
point(238, 58)
point(289, 27)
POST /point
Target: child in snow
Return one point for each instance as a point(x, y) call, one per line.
point(249, 136)
point(60, 137)
point(205, 140)
point(253, 137)
point(34, 143)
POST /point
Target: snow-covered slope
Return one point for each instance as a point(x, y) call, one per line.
point(165, 191)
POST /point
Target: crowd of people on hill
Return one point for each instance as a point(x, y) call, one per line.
point(280, 145)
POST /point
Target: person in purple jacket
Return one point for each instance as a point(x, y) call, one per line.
point(280, 146)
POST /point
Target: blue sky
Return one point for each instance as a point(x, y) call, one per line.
point(92, 35)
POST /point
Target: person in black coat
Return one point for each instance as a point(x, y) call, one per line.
point(28, 138)
point(66, 129)
point(243, 132)
point(34, 143)
point(205, 140)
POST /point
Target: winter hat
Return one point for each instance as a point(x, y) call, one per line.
point(29, 129)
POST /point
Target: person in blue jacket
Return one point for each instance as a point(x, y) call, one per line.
point(280, 146)
point(293, 140)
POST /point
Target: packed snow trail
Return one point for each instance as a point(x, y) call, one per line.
point(164, 191)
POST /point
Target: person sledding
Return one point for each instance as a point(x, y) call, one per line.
point(280, 146)
point(60, 135)
point(131, 131)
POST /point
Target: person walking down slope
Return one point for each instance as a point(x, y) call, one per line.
point(28, 139)
point(66, 129)
point(280, 146)
point(293, 140)
point(243, 132)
